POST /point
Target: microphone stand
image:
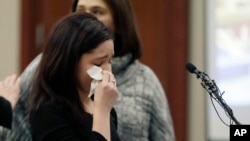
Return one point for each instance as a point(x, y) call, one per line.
point(213, 90)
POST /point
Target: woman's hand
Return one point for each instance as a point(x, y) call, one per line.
point(106, 93)
point(10, 89)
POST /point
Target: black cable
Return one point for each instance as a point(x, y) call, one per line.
point(218, 113)
point(210, 86)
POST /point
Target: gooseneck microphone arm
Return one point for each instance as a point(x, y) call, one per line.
point(213, 90)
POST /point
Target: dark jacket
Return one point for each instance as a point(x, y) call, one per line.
point(5, 113)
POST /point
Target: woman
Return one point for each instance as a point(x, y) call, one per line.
point(9, 94)
point(142, 107)
point(61, 108)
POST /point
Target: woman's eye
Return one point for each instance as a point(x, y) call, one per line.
point(98, 65)
point(97, 12)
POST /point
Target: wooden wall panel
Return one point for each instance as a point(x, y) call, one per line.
point(163, 25)
point(27, 33)
point(38, 16)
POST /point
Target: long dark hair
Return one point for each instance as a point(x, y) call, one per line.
point(55, 80)
point(126, 33)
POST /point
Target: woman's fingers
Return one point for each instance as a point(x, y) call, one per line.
point(106, 91)
point(17, 81)
point(11, 80)
point(106, 76)
point(6, 81)
point(112, 79)
point(10, 88)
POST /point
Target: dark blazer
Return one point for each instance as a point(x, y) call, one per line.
point(5, 113)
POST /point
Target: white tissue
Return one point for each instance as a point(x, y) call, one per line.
point(95, 73)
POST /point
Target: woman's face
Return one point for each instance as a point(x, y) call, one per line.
point(101, 57)
point(99, 9)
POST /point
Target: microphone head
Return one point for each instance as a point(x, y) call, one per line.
point(190, 67)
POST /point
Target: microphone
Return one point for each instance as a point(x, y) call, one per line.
point(191, 68)
point(206, 83)
point(202, 75)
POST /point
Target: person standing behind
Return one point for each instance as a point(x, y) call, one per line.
point(59, 102)
point(142, 107)
point(9, 94)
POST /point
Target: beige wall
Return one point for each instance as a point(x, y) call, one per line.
point(9, 37)
point(197, 100)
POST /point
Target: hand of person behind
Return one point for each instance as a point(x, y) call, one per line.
point(10, 89)
point(106, 92)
